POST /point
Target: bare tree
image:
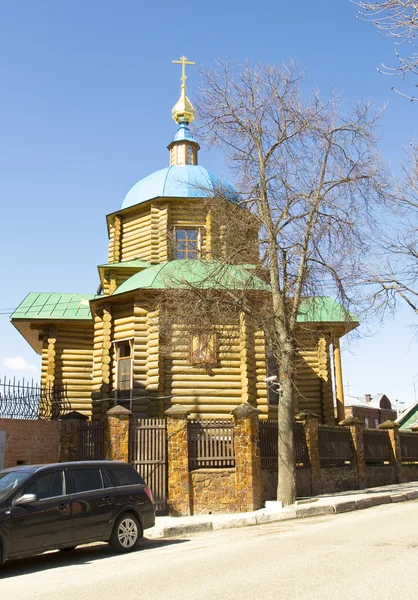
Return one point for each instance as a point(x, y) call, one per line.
point(396, 272)
point(398, 20)
point(308, 172)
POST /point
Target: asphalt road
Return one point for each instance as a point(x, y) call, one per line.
point(370, 554)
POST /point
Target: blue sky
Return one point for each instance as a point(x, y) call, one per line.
point(87, 88)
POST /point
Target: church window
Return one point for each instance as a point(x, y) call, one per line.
point(124, 369)
point(180, 155)
point(187, 243)
point(202, 349)
point(189, 151)
point(173, 156)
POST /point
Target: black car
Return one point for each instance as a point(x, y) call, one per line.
point(60, 506)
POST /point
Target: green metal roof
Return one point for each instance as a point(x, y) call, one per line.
point(204, 274)
point(131, 264)
point(54, 306)
point(323, 309)
point(408, 417)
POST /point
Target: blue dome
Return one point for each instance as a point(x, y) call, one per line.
point(186, 181)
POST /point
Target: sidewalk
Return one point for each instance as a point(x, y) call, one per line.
point(326, 504)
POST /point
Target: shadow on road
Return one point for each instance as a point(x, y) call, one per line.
point(81, 555)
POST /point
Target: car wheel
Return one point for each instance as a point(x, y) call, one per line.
point(126, 533)
point(68, 549)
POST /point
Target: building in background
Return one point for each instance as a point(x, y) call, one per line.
point(373, 410)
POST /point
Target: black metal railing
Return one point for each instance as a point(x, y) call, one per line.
point(377, 447)
point(30, 400)
point(335, 446)
point(409, 447)
point(91, 441)
point(269, 444)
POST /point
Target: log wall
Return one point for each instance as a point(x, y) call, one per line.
point(147, 232)
point(261, 373)
point(213, 392)
point(136, 235)
point(102, 357)
point(113, 278)
point(140, 399)
point(69, 359)
point(313, 381)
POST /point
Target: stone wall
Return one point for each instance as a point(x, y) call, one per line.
point(409, 472)
point(380, 475)
point(338, 479)
point(213, 491)
point(303, 483)
point(31, 442)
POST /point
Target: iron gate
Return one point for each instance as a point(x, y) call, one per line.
point(91, 441)
point(148, 455)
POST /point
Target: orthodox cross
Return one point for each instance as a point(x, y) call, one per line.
point(183, 62)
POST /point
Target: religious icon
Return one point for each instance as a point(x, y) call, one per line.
point(203, 349)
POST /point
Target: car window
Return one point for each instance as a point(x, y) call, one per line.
point(125, 476)
point(106, 480)
point(86, 480)
point(9, 482)
point(49, 485)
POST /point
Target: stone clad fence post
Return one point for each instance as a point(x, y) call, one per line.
point(393, 431)
point(117, 426)
point(357, 428)
point(179, 485)
point(249, 485)
point(70, 426)
point(310, 422)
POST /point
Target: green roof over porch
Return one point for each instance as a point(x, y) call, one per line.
point(45, 305)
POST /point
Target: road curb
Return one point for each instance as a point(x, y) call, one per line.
point(288, 513)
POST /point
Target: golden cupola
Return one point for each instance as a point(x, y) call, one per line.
point(183, 149)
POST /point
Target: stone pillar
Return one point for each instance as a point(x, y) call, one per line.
point(393, 431)
point(117, 433)
point(249, 485)
point(356, 428)
point(179, 486)
point(70, 425)
point(339, 389)
point(311, 424)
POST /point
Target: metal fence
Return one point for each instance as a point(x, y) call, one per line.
point(409, 447)
point(377, 446)
point(335, 446)
point(91, 441)
point(148, 455)
point(269, 444)
point(211, 444)
point(29, 400)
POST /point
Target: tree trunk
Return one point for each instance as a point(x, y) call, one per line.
point(286, 486)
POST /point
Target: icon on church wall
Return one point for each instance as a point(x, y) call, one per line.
point(203, 349)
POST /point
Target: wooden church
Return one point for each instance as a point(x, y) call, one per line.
point(108, 349)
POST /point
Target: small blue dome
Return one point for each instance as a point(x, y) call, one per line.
point(183, 133)
point(185, 181)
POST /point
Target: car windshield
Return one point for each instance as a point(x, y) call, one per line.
point(10, 481)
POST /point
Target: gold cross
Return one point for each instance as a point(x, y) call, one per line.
point(183, 62)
